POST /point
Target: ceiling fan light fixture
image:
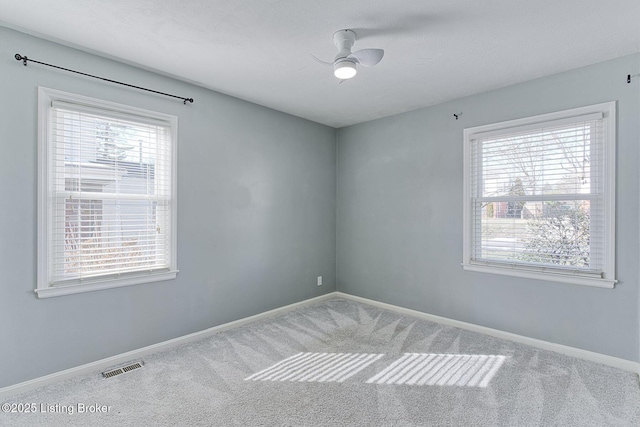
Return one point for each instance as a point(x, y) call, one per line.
point(345, 61)
point(344, 70)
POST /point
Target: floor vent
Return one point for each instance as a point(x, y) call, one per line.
point(122, 369)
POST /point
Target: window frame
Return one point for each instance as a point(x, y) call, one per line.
point(44, 287)
point(608, 111)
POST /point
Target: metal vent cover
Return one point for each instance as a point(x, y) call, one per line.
point(122, 369)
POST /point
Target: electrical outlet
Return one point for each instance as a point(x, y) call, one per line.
point(319, 280)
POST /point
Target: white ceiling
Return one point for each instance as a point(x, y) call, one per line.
point(259, 50)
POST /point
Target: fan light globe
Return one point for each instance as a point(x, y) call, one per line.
point(344, 70)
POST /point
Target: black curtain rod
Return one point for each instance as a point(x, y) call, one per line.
point(24, 60)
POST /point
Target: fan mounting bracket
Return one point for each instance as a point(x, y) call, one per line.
point(344, 40)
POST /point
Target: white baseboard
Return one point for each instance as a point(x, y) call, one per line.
point(100, 365)
point(626, 365)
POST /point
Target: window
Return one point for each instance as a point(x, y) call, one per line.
point(539, 197)
point(106, 195)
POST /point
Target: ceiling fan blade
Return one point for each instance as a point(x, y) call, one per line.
point(321, 61)
point(367, 57)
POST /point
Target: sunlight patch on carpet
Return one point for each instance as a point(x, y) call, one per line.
point(465, 370)
point(316, 367)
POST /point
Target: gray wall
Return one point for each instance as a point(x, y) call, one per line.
point(256, 216)
point(399, 216)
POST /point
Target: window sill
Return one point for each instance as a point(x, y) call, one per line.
point(539, 275)
point(105, 283)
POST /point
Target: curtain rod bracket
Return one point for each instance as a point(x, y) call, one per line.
point(24, 60)
point(21, 58)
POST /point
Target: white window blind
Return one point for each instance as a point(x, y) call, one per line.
point(109, 194)
point(539, 196)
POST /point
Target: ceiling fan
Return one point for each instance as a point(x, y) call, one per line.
point(344, 63)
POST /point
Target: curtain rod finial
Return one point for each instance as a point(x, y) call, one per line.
point(21, 58)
